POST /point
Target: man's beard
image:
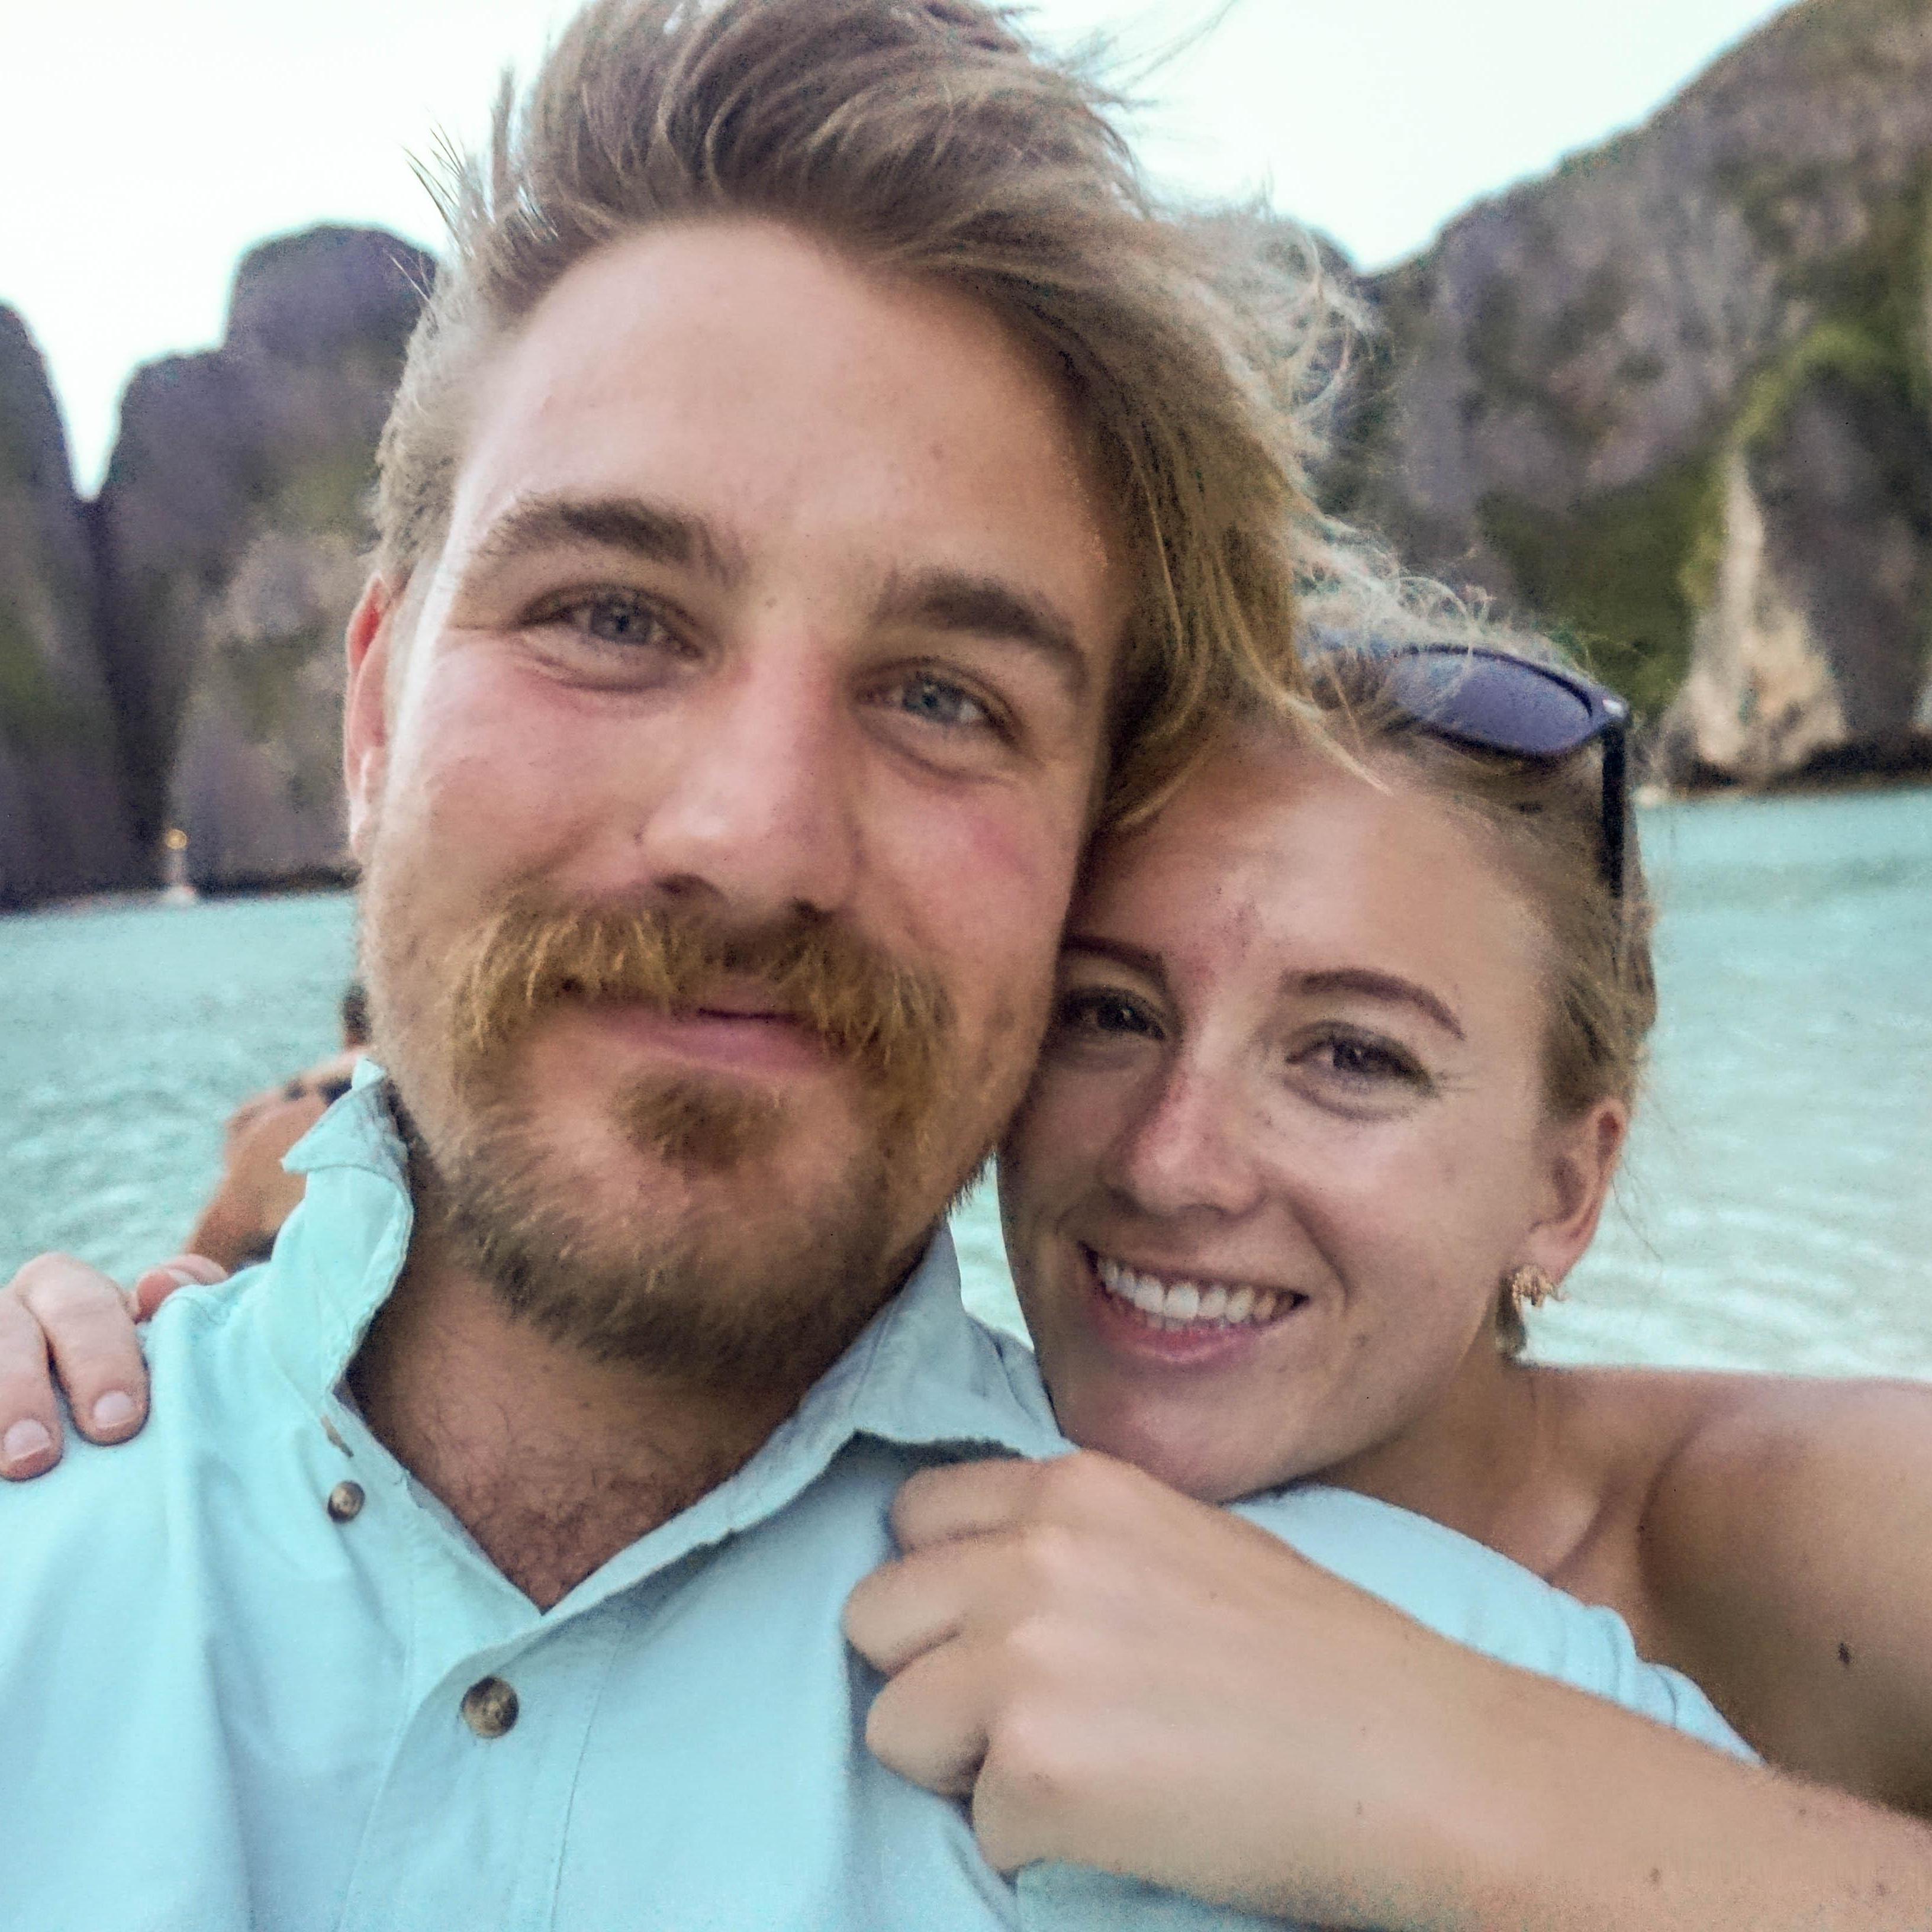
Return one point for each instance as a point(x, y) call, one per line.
point(753, 1289)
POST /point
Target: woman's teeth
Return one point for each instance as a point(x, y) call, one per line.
point(1187, 1304)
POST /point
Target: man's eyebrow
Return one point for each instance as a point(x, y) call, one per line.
point(984, 606)
point(652, 532)
point(1372, 985)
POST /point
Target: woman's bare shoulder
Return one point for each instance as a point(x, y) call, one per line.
point(1688, 1437)
point(1795, 1447)
point(1784, 1537)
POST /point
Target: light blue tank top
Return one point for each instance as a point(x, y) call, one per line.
point(1460, 1588)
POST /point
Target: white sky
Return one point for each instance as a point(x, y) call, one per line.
point(144, 144)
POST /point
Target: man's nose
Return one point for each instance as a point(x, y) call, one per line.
point(757, 814)
point(1188, 1149)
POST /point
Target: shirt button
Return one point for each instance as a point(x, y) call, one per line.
point(489, 1707)
point(345, 1501)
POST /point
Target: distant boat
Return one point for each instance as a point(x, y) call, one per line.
point(176, 888)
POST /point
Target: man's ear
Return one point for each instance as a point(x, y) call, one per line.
point(365, 717)
point(1583, 1155)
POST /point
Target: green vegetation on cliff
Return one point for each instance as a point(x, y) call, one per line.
point(1626, 571)
point(35, 713)
point(1614, 574)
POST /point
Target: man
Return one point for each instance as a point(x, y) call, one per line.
point(820, 487)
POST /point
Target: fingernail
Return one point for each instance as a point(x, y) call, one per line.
point(114, 1408)
point(183, 1278)
point(24, 1441)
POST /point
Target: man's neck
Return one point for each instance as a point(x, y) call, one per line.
point(552, 1462)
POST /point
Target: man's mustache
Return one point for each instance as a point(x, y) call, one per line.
point(890, 1021)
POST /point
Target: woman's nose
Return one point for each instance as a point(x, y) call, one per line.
point(1187, 1150)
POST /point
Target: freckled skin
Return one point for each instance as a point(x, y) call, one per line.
point(1229, 1149)
point(760, 760)
point(1764, 1534)
point(697, 638)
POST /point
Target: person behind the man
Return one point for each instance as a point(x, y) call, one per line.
point(256, 1194)
point(820, 487)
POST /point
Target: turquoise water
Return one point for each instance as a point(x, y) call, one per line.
point(1778, 1209)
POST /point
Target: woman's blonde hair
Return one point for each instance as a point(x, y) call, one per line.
point(926, 137)
point(1543, 819)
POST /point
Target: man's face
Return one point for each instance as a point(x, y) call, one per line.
point(778, 607)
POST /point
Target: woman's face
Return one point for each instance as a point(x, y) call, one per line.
point(1288, 1134)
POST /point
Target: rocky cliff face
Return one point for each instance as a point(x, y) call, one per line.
point(1808, 632)
point(1675, 396)
point(230, 529)
point(63, 823)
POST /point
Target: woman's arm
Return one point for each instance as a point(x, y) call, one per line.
point(61, 1319)
point(60, 1316)
point(1122, 1678)
point(1787, 1548)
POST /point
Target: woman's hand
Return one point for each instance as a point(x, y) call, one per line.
point(60, 1318)
point(1122, 1678)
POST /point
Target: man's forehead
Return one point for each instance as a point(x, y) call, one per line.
point(667, 371)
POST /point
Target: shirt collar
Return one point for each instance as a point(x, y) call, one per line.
point(925, 1374)
point(922, 1375)
point(340, 1254)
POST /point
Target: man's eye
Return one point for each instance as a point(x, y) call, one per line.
point(1096, 1013)
point(610, 619)
point(934, 700)
point(619, 620)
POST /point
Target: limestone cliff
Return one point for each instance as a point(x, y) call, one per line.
point(1811, 610)
point(63, 824)
point(229, 528)
point(1675, 396)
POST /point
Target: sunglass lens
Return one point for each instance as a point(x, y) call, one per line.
point(1504, 705)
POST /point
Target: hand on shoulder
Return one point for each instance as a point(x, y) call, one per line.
point(60, 1317)
point(1122, 1678)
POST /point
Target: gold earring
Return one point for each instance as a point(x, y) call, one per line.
point(1529, 1287)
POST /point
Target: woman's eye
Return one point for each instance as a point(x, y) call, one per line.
point(934, 700)
point(1362, 1062)
point(1094, 1013)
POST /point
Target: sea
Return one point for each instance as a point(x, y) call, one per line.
point(1775, 1212)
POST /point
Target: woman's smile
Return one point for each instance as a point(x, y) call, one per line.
point(1169, 1302)
point(1167, 1319)
point(1287, 1130)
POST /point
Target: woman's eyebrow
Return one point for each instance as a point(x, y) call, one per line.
point(1135, 959)
point(1372, 985)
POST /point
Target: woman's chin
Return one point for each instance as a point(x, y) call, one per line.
point(1185, 1444)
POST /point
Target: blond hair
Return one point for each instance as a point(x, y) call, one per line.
point(1543, 819)
point(925, 136)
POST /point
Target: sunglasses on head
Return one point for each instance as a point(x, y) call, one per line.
point(1471, 695)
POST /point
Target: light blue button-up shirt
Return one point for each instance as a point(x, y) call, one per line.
point(230, 1704)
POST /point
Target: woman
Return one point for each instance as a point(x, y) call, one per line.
point(1343, 1060)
